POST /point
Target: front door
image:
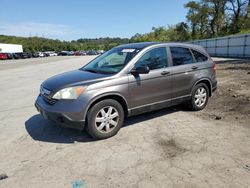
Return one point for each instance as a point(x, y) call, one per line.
point(148, 90)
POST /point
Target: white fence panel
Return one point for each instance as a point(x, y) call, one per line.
point(231, 46)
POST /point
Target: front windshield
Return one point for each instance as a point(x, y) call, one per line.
point(112, 61)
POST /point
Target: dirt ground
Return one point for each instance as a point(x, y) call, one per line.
point(172, 147)
point(231, 102)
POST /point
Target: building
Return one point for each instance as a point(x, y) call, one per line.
point(11, 48)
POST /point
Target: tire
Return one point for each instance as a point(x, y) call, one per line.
point(199, 98)
point(105, 119)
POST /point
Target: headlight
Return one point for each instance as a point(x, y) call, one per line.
point(69, 93)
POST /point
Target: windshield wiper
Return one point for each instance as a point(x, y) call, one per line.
point(97, 71)
point(90, 70)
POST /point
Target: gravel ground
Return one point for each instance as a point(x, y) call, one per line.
point(168, 148)
point(231, 102)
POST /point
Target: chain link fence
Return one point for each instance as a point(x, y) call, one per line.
point(231, 46)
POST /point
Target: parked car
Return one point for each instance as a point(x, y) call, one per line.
point(20, 55)
point(28, 54)
point(3, 56)
point(64, 53)
point(84, 53)
point(92, 52)
point(78, 53)
point(51, 53)
point(41, 54)
point(125, 81)
point(45, 54)
point(35, 54)
point(15, 55)
point(10, 55)
point(25, 55)
point(100, 51)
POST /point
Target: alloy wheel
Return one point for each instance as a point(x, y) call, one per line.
point(200, 96)
point(107, 119)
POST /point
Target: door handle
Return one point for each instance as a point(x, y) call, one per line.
point(194, 67)
point(165, 72)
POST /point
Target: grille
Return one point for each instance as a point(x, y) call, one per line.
point(49, 100)
point(46, 94)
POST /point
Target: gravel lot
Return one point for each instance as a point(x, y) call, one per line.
point(168, 148)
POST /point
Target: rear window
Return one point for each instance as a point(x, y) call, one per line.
point(181, 56)
point(199, 57)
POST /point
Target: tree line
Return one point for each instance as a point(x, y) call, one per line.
point(36, 44)
point(204, 19)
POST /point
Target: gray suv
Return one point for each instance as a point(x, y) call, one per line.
point(128, 80)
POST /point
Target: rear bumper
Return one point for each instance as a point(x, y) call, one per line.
point(62, 119)
point(214, 86)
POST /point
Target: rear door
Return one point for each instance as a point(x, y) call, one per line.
point(185, 71)
point(202, 60)
point(154, 87)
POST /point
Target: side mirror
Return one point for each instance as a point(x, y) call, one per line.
point(140, 70)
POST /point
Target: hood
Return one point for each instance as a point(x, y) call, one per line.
point(72, 78)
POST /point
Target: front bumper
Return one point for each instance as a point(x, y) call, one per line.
point(57, 114)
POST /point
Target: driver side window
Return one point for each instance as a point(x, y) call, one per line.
point(154, 59)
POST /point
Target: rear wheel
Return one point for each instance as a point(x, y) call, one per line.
point(105, 119)
point(199, 97)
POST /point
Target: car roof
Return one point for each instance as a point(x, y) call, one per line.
point(142, 45)
point(139, 45)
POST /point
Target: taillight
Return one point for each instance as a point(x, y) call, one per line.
point(214, 67)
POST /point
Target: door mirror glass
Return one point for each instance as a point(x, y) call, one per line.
point(140, 70)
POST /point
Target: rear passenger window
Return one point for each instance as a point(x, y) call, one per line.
point(154, 59)
point(181, 56)
point(199, 56)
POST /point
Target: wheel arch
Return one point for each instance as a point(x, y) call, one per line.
point(115, 96)
point(205, 81)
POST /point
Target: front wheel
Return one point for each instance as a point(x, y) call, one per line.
point(105, 119)
point(199, 97)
